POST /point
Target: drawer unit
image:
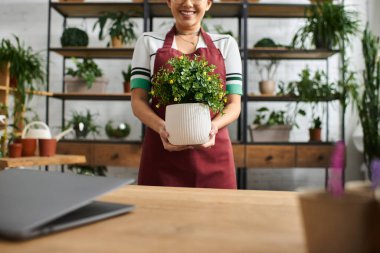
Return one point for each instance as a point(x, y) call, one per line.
point(69, 148)
point(270, 156)
point(125, 155)
point(313, 156)
point(239, 155)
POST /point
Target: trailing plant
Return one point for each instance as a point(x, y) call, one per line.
point(188, 80)
point(127, 74)
point(87, 70)
point(83, 124)
point(74, 37)
point(328, 26)
point(266, 117)
point(88, 170)
point(117, 24)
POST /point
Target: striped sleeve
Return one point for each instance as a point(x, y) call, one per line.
point(141, 66)
point(234, 81)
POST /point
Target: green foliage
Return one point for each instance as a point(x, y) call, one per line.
point(83, 124)
point(267, 69)
point(265, 117)
point(127, 74)
point(119, 25)
point(120, 131)
point(328, 25)
point(265, 42)
point(189, 81)
point(87, 69)
point(316, 122)
point(88, 170)
point(74, 37)
point(368, 100)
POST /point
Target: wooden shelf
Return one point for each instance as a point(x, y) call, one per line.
point(40, 161)
point(101, 96)
point(93, 9)
point(277, 10)
point(85, 52)
point(308, 143)
point(289, 54)
point(35, 92)
point(263, 98)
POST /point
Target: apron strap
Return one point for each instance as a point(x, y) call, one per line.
point(169, 38)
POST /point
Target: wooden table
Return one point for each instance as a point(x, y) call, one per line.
point(184, 220)
point(30, 161)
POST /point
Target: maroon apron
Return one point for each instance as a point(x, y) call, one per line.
point(205, 167)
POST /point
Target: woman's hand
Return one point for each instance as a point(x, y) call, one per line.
point(211, 141)
point(165, 141)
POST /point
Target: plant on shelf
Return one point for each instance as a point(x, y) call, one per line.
point(316, 126)
point(86, 77)
point(26, 74)
point(267, 43)
point(74, 37)
point(119, 27)
point(83, 124)
point(267, 71)
point(88, 170)
point(273, 125)
point(328, 26)
point(120, 131)
point(367, 98)
point(127, 79)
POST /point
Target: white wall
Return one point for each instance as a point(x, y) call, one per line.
point(28, 20)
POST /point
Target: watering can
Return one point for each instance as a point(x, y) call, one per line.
point(41, 133)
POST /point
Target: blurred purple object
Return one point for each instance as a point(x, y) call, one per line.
point(335, 183)
point(375, 170)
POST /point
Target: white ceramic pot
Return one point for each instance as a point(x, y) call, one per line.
point(188, 124)
point(267, 87)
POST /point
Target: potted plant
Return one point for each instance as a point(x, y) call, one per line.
point(273, 126)
point(127, 79)
point(315, 129)
point(118, 131)
point(120, 28)
point(26, 73)
point(83, 124)
point(74, 37)
point(328, 25)
point(88, 170)
point(267, 71)
point(85, 78)
point(188, 86)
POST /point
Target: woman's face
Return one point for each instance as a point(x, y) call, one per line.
point(188, 14)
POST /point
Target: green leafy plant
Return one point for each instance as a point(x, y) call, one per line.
point(83, 124)
point(127, 74)
point(189, 81)
point(87, 70)
point(316, 122)
point(88, 170)
point(119, 26)
point(120, 131)
point(267, 69)
point(328, 25)
point(267, 42)
point(266, 117)
point(74, 37)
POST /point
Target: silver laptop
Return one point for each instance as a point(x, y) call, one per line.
point(34, 203)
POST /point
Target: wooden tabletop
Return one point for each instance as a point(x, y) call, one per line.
point(184, 220)
point(30, 161)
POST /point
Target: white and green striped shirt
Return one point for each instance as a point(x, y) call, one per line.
point(148, 44)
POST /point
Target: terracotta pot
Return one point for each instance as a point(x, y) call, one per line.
point(47, 147)
point(29, 146)
point(315, 134)
point(116, 42)
point(127, 87)
point(267, 87)
point(15, 150)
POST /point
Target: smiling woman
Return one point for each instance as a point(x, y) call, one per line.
point(210, 164)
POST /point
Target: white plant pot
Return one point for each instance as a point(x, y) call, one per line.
point(188, 124)
point(79, 85)
point(279, 133)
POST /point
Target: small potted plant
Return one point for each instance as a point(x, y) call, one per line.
point(83, 124)
point(273, 126)
point(85, 78)
point(120, 28)
point(74, 37)
point(88, 170)
point(328, 25)
point(315, 129)
point(267, 71)
point(127, 79)
point(186, 87)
